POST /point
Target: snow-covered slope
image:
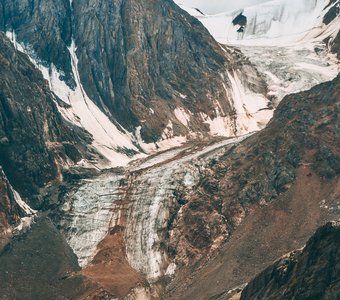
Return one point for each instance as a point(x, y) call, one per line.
point(274, 22)
point(286, 40)
point(114, 145)
point(196, 12)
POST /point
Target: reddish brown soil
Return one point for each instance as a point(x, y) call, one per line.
point(110, 268)
point(265, 234)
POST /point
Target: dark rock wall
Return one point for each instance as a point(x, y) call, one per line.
point(10, 211)
point(43, 25)
point(32, 132)
point(311, 273)
point(331, 15)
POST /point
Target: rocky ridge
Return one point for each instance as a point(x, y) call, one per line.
point(255, 181)
point(184, 220)
point(308, 273)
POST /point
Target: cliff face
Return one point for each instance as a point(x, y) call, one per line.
point(310, 273)
point(34, 139)
point(145, 64)
point(10, 212)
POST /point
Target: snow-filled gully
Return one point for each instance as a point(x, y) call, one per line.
point(140, 200)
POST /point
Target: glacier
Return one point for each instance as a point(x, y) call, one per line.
point(138, 199)
point(277, 22)
point(284, 39)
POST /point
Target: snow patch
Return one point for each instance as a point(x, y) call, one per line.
point(163, 144)
point(182, 115)
point(251, 111)
point(25, 223)
point(219, 126)
point(171, 269)
point(23, 205)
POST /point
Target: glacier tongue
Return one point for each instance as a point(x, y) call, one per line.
point(89, 212)
point(141, 200)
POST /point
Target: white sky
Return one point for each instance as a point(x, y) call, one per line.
point(217, 6)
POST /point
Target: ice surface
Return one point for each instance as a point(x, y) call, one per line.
point(293, 68)
point(278, 22)
point(147, 189)
point(89, 212)
point(280, 40)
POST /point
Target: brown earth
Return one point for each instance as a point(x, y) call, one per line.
point(268, 232)
point(264, 198)
point(110, 268)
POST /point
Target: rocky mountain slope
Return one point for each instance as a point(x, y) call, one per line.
point(155, 71)
point(184, 215)
point(36, 143)
point(309, 273)
point(10, 212)
point(281, 182)
point(88, 86)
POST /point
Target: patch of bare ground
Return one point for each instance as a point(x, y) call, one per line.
point(110, 268)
